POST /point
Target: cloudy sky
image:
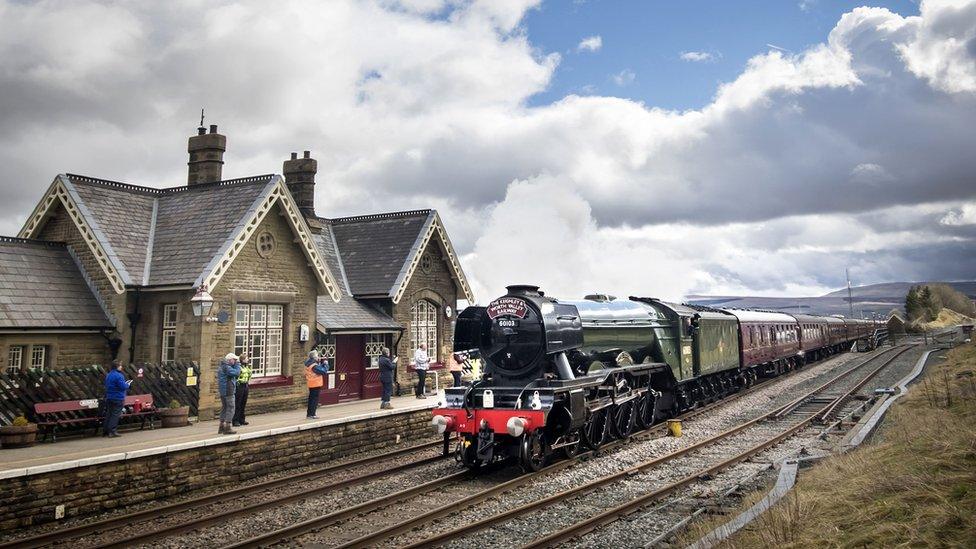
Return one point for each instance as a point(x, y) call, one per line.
point(658, 148)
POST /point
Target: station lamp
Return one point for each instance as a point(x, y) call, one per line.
point(202, 302)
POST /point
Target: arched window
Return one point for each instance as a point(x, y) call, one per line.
point(423, 327)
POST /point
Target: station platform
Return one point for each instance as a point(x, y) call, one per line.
point(78, 451)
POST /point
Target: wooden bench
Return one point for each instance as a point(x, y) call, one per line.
point(53, 416)
point(146, 412)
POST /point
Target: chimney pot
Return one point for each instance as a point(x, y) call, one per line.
point(206, 156)
point(300, 177)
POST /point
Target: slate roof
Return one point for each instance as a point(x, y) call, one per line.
point(349, 313)
point(375, 248)
point(166, 236)
point(41, 286)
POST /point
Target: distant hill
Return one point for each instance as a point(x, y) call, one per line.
point(900, 289)
point(868, 300)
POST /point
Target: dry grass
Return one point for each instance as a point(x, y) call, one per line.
point(946, 318)
point(914, 485)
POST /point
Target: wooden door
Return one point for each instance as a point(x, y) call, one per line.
point(350, 357)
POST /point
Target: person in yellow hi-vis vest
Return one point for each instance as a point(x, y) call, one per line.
point(240, 397)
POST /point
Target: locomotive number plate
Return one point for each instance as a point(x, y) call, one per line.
point(508, 323)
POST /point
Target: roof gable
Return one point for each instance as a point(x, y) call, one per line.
point(63, 192)
point(42, 287)
point(179, 236)
point(379, 253)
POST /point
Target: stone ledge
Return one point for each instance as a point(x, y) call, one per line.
point(215, 441)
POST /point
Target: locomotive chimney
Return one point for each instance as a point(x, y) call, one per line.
point(300, 178)
point(206, 156)
point(524, 289)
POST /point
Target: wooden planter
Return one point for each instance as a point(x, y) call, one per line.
point(18, 436)
point(175, 417)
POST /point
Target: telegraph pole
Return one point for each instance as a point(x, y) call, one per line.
point(850, 292)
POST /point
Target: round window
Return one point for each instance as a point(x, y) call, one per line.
point(426, 263)
point(265, 244)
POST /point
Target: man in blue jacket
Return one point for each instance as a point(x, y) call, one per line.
point(227, 374)
point(116, 386)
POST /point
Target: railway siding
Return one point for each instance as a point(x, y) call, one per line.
point(30, 499)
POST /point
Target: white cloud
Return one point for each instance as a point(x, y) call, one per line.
point(590, 43)
point(699, 56)
point(855, 151)
point(624, 77)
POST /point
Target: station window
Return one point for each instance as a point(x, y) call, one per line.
point(38, 356)
point(423, 327)
point(167, 344)
point(15, 357)
point(258, 332)
point(327, 347)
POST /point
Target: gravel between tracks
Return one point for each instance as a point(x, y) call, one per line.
point(771, 395)
point(288, 514)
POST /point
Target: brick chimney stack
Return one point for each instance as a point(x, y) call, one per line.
point(300, 178)
point(206, 156)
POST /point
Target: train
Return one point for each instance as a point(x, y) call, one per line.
point(560, 376)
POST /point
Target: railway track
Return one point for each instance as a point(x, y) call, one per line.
point(371, 522)
point(808, 406)
point(155, 514)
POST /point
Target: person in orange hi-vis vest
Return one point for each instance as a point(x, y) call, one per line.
point(315, 371)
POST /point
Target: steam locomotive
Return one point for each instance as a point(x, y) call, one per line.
point(562, 375)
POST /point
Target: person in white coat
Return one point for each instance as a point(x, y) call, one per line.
point(421, 363)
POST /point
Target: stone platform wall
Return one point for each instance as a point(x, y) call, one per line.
point(31, 499)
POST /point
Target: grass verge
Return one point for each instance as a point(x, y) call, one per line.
point(913, 485)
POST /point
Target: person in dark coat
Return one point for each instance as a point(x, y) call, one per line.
point(386, 377)
point(116, 386)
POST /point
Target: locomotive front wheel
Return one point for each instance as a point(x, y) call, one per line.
point(535, 452)
point(569, 451)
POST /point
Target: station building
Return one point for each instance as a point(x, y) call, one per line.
point(103, 269)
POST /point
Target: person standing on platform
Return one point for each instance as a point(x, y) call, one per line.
point(421, 363)
point(227, 375)
point(386, 377)
point(240, 396)
point(315, 371)
point(116, 386)
point(455, 367)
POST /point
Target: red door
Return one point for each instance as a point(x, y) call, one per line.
point(350, 355)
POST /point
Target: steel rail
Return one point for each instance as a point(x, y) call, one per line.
point(626, 508)
point(438, 539)
point(61, 535)
point(792, 405)
point(297, 529)
point(847, 394)
point(290, 532)
point(453, 507)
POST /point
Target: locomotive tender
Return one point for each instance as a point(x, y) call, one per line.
point(564, 374)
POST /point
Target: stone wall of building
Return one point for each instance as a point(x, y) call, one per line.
point(283, 278)
point(63, 350)
point(437, 286)
point(30, 500)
